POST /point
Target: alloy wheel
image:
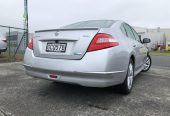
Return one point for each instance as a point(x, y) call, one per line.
point(147, 63)
point(130, 76)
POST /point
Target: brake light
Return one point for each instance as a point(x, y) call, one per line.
point(30, 43)
point(102, 41)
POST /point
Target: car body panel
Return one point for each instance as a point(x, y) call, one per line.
point(77, 42)
point(84, 68)
point(101, 68)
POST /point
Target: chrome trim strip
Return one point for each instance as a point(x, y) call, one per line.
point(93, 28)
point(113, 72)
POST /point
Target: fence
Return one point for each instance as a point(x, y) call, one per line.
point(17, 39)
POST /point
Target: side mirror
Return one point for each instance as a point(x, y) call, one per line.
point(146, 40)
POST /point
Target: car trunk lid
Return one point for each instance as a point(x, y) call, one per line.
point(63, 43)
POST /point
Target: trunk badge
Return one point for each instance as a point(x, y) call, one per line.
point(86, 36)
point(77, 53)
point(56, 34)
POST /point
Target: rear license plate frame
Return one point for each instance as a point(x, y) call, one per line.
point(56, 47)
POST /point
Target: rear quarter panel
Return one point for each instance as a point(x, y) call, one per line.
point(118, 58)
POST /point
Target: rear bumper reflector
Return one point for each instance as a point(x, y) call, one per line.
point(53, 76)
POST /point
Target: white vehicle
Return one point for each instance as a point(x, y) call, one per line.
point(3, 43)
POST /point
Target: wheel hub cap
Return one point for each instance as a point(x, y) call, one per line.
point(130, 76)
point(147, 63)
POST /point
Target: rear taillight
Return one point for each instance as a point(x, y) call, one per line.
point(30, 43)
point(102, 41)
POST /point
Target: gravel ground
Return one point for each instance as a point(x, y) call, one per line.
point(21, 95)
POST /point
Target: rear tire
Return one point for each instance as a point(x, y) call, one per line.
point(127, 85)
point(147, 64)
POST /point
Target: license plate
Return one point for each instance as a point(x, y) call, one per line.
point(56, 47)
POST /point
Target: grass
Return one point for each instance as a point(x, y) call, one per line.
point(160, 53)
point(5, 57)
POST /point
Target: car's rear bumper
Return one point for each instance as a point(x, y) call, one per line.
point(90, 79)
point(92, 73)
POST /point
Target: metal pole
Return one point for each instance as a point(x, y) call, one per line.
point(12, 27)
point(9, 43)
point(26, 20)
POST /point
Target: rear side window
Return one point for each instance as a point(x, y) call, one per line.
point(123, 30)
point(129, 31)
point(136, 35)
point(91, 23)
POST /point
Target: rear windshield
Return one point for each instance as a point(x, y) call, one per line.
point(91, 24)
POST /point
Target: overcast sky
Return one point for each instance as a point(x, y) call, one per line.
point(46, 14)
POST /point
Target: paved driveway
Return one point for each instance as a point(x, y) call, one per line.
point(21, 95)
point(161, 61)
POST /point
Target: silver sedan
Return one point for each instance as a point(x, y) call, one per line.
point(95, 53)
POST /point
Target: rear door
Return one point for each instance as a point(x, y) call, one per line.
point(63, 43)
point(143, 50)
point(134, 45)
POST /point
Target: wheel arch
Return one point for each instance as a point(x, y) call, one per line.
point(132, 57)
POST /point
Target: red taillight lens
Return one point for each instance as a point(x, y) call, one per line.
point(30, 43)
point(102, 41)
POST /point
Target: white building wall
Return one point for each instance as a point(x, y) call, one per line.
point(158, 36)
